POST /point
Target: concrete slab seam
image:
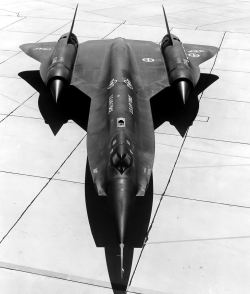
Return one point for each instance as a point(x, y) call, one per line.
point(227, 100)
point(122, 23)
point(71, 278)
point(14, 12)
point(42, 177)
point(204, 138)
point(204, 151)
point(199, 240)
point(3, 28)
point(21, 104)
point(51, 33)
point(225, 21)
point(68, 19)
point(18, 52)
point(207, 201)
point(34, 199)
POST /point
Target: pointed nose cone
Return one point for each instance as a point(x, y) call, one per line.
point(121, 197)
point(183, 89)
point(56, 88)
point(121, 259)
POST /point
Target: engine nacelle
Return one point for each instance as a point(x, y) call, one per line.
point(60, 68)
point(178, 67)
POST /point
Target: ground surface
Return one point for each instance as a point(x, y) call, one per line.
point(199, 237)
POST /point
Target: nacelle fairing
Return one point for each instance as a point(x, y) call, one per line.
point(61, 64)
point(176, 60)
point(178, 66)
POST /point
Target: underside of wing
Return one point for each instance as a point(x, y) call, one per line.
point(198, 54)
point(39, 51)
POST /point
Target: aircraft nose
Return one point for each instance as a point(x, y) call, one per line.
point(121, 194)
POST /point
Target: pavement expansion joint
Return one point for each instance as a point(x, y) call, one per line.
point(51, 33)
point(17, 53)
point(72, 278)
point(120, 24)
point(20, 18)
point(205, 138)
point(212, 166)
point(21, 104)
point(199, 240)
point(206, 201)
point(219, 22)
point(38, 194)
point(227, 100)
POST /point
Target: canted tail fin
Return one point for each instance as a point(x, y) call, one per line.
point(72, 25)
point(166, 22)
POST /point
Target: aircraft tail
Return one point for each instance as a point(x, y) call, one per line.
point(166, 22)
point(73, 22)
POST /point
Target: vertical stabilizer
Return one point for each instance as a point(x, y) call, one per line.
point(73, 22)
point(166, 22)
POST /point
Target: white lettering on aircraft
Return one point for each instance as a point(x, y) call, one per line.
point(111, 103)
point(130, 104)
point(43, 49)
point(112, 83)
point(148, 59)
point(128, 83)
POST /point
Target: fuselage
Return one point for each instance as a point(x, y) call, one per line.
point(121, 109)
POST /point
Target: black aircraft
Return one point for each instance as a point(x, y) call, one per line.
point(120, 76)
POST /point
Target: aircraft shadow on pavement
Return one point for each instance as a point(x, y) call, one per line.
point(73, 105)
point(104, 231)
point(167, 107)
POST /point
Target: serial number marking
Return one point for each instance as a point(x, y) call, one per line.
point(112, 83)
point(43, 49)
point(130, 104)
point(128, 83)
point(111, 103)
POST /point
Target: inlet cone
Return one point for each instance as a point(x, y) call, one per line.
point(183, 89)
point(56, 88)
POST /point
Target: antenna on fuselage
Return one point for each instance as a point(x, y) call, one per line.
point(72, 25)
point(166, 22)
